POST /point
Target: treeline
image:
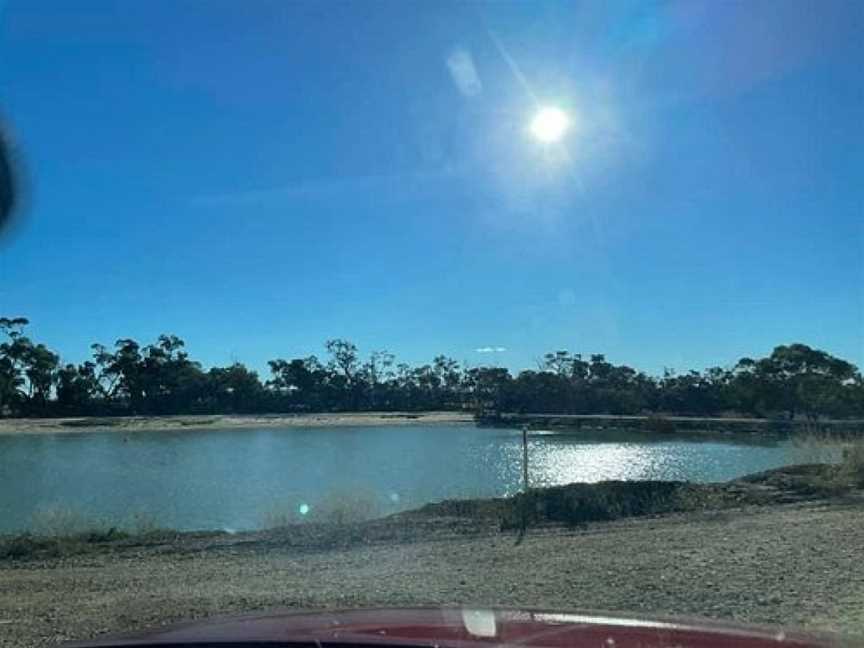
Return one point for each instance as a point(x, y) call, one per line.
point(161, 378)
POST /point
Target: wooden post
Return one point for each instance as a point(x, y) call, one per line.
point(524, 506)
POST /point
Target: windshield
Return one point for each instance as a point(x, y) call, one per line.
point(327, 305)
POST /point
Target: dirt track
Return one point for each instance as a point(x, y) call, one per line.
point(796, 564)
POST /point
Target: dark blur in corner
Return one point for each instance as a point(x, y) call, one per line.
point(8, 195)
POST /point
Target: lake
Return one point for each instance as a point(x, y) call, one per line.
point(240, 479)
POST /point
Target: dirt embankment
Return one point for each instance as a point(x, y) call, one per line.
point(771, 553)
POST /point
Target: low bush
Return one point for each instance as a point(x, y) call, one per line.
point(575, 504)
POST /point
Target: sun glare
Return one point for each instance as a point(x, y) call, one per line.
point(549, 124)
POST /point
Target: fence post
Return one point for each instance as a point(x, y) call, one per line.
point(525, 485)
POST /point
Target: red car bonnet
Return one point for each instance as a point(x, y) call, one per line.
point(457, 627)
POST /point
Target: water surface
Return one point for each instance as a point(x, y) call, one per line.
point(235, 479)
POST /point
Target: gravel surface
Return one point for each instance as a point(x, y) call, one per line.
point(797, 564)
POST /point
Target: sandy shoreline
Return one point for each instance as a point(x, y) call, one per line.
point(129, 424)
point(570, 423)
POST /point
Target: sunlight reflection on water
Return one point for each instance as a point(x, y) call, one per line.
point(589, 463)
point(562, 459)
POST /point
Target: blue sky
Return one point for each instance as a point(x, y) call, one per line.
point(259, 177)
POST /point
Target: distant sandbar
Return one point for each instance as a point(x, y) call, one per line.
point(129, 424)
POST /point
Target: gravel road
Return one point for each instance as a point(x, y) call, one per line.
point(796, 564)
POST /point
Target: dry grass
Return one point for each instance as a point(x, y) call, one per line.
point(64, 521)
point(842, 474)
point(56, 531)
point(334, 507)
point(59, 521)
point(348, 507)
point(851, 469)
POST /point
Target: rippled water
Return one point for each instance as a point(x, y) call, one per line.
point(235, 478)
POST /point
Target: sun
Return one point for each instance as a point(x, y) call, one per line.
point(550, 124)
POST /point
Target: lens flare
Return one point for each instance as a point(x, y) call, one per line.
point(550, 124)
